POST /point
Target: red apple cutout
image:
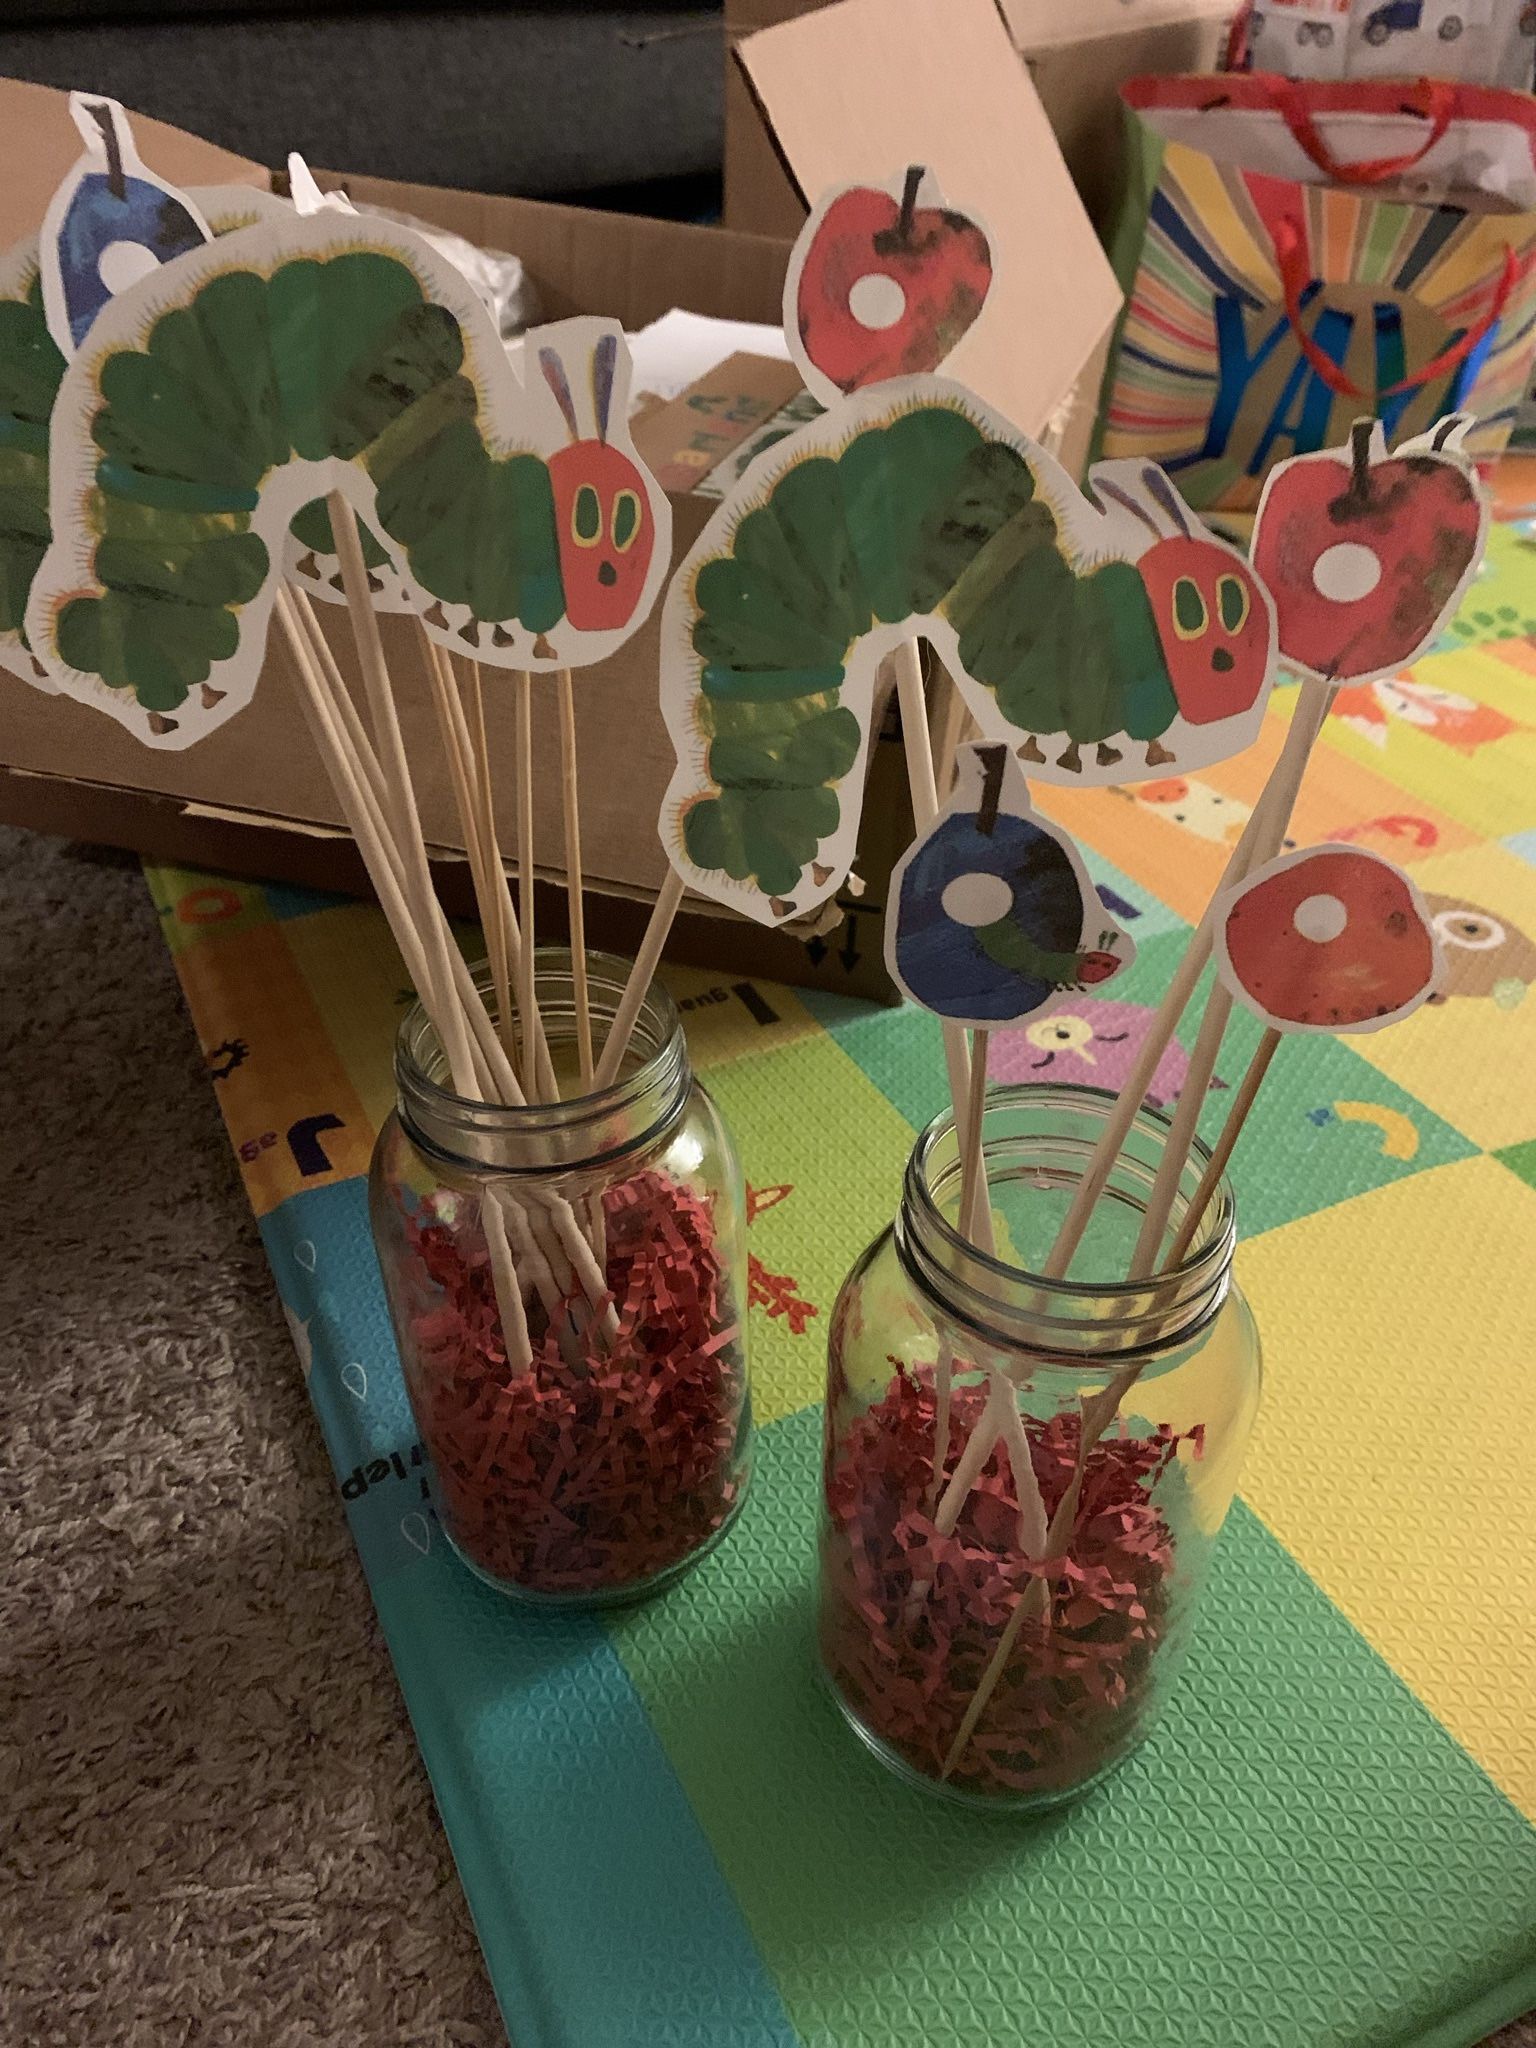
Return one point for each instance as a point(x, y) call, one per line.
point(1367, 554)
point(880, 286)
point(1329, 939)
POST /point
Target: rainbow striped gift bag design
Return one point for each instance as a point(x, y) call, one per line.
point(1282, 279)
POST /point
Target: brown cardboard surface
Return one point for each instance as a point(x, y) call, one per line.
point(861, 88)
point(681, 441)
point(1078, 55)
point(253, 797)
point(40, 143)
point(1037, 25)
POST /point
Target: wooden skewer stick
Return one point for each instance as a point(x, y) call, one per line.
point(404, 817)
point(1306, 724)
point(1221, 1151)
point(973, 1179)
point(527, 1001)
point(616, 1044)
point(494, 1074)
point(471, 824)
point(359, 808)
point(575, 904)
point(1181, 1133)
point(476, 742)
point(493, 1069)
point(1264, 834)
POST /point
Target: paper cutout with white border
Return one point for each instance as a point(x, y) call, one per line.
point(1017, 878)
point(879, 297)
point(1313, 944)
point(1356, 597)
point(1138, 515)
point(509, 416)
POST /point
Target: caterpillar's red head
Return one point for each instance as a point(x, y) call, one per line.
point(1213, 624)
point(1212, 613)
point(603, 524)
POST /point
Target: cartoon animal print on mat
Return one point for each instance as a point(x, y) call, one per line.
point(1186, 801)
point(778, 1293)
point(1370, 709)
point(1485, 955)
point(1094, 1043)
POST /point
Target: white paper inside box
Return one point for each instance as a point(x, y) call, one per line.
point(253, 794)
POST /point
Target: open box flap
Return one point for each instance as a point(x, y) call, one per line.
point(1046, 24)
point(42, 144)
point(858, 90)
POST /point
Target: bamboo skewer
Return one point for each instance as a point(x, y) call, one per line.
point(494, 1070)
point(641, 974)
point(527, 1002)
point(1306, 724)
point(475, 743)
point(1181, 1133)
point(390, 747)
point(973, 1179)
point(472, 825)
point(1262, 838)
point(494, 1077)
point(575, 903)
point(1221, 1151)
point(365, 820)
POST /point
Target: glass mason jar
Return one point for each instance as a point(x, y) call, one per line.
point(567, 1282)
point(992, 1626)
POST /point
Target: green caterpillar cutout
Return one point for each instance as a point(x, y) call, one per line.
point(31, 370)
point(1076, 630)
point(229, 391)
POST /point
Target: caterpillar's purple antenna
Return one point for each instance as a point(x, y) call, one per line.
point(604, 357)
point(559, 383)
point(1124, 499)
point(1166, 496)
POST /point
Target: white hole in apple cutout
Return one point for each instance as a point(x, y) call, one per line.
point(122, 265)
point(1320, 918)
point(876, 300)
point(1346, 572)
point(977, 899)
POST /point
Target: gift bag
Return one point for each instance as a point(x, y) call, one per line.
point(1478, 42)
point(1296, 256)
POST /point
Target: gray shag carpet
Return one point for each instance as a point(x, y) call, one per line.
point(216, 1829)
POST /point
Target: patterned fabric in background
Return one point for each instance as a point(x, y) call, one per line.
point(666, 1834)
point(1268, 306)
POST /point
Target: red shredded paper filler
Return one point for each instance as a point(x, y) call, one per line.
point(601, 1471)
point(1074, 1693)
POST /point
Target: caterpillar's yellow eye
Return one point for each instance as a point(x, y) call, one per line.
point(1190, 617)
point(586, 518)
point(1232, 601)
point(626, 520)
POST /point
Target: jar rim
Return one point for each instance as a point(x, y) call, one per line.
point(594, 1123)
point(985, 1290)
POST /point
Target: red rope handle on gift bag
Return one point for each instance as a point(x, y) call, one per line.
point(1290, 102)
point(1294, 279)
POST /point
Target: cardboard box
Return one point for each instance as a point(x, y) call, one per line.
point(1078, 53)
point(861, 88)
point(253, 797)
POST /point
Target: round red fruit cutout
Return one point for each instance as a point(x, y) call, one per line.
point(1329, 939)
point(884, 282)
point(1367, 554)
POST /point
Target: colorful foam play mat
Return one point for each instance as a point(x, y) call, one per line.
point(666, 1834)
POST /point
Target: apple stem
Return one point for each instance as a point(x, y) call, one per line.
point(914, 178)
point(1360, 458)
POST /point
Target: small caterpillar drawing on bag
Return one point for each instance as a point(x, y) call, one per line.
point(1084, 633)
point(225, 395)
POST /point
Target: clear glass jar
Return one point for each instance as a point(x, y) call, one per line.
point(567, 1282)
point(934, 1635)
